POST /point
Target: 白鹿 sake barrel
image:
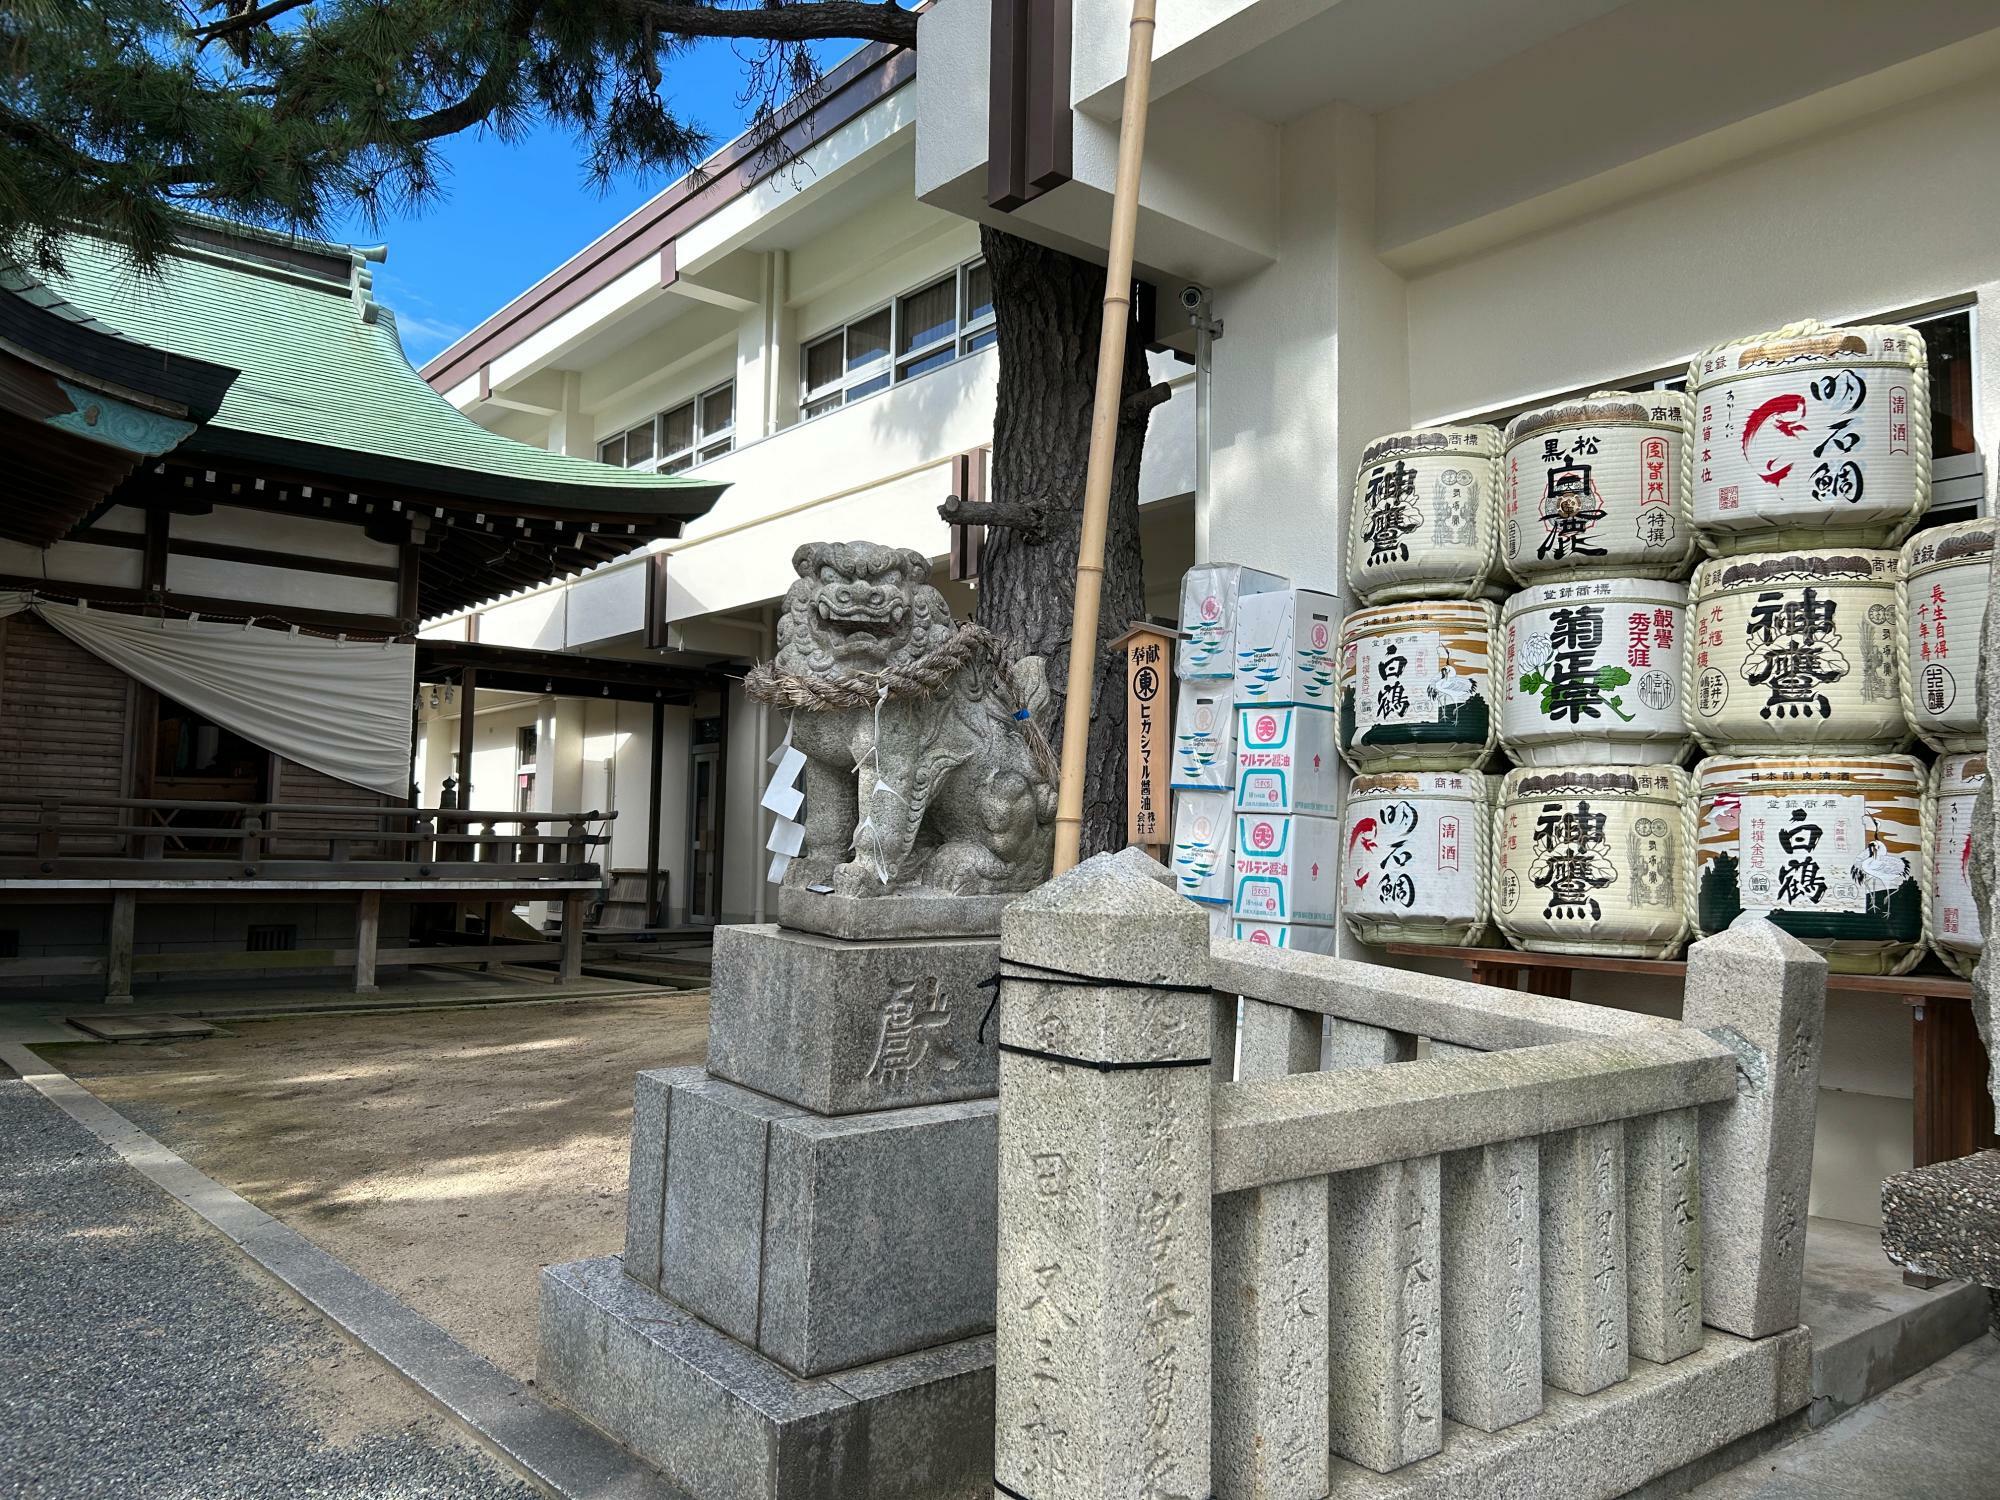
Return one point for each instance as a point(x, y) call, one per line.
point(1415, 864)
point(1794, 651)
point(1416, 690)
point(1942, 600)
point(1827, 846)
point(1593, 859)
point(1810, 436)
point(1597, 488)
point(1592, 673)
point(1424, 519)
point(1951, 911)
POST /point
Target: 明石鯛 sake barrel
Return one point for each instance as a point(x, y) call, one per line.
point(1592, 673)
point(1593, 859)
point(1951, 911)
point(1416, 690)
point(1810, 436)
point(1794, 651)
point(1596, 487)
point(1827, 846)
point(1415, 860)
point(1941, 602)
point(1425, 516)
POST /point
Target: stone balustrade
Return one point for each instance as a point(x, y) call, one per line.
point(1449, 1234)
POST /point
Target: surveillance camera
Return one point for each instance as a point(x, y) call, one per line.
point(1193, 297)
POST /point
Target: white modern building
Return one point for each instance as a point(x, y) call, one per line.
point(818, 338)
point(1417, 211)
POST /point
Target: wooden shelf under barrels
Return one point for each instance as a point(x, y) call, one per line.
point(1952, 1113)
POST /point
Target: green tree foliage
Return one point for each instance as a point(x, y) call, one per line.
point(115, 112)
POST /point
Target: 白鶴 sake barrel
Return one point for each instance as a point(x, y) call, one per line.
point(1810, 436)
point(1593, 859)
point(1951, 913)
point(1794, 651)
point(1416, 691)
point(1942, 599)
point(1597, 488)
point(1416, 866)
point(1827, 846)
point(1425, 516)
point(1593, 673)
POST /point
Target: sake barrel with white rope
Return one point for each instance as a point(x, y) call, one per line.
point(1416, 862)
point(1795, 651)
point(1416, 689)
point(1830, 847)
point(1941, 600)
point(1424, 518)
point(1951, 911)
point(1593, 859)
point(1810, 436)
point(1592, 673)
point(1597, 488)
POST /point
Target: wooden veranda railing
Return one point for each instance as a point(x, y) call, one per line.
point(92, 838)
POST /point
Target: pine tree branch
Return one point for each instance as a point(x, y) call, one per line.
point(785, 20)
point(243, 20)
point(1142, 401)
point(1029, 518)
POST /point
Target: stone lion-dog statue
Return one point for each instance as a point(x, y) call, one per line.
point(925, 767)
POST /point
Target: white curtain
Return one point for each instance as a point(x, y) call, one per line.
point(342, 707)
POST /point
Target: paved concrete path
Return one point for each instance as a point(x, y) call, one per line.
point(141, 1355)
point(1934, 1437)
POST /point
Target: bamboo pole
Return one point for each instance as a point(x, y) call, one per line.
point(1103, 436)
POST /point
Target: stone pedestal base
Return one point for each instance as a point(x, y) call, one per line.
point(1944, 1220)
point(724, 1423)
point(907, 916)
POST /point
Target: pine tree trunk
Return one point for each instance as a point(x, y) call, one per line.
point(1048, 315)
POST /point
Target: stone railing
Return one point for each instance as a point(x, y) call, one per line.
point(1392, 1234)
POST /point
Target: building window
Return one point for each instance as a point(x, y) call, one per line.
point(918, 332)
point(689, 434)
point(527, 740)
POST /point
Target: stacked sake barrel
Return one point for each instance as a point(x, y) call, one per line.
point(1590, 848)
point(1417, 710)
point(1810, 461)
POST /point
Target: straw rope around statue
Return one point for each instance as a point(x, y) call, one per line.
point(925, 676)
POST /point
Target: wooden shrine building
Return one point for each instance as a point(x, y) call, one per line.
point(228, 502)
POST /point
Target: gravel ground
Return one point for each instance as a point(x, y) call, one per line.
point(141, 1356)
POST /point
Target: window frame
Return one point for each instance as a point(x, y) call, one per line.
point(705, 446)
point(966, 338)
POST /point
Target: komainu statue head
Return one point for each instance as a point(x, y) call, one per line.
point(858, 607)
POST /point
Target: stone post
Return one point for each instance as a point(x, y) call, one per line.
point(1384, 1374)
point(1103, 1328)
point(1762, 993)
point(1585, 1344)
point(1271, 1290)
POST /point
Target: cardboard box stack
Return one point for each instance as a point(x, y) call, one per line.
point(1205, 721)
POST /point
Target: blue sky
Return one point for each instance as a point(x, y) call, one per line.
point(512, 213)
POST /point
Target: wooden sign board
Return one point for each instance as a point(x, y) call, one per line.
point(1149, 732)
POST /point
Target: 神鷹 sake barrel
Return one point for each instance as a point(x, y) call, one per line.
point(1593, 859)
point(1951, 912)
point(1425, 519)
point(1942, 600)
point(1810, 436)
point(1593, 673)
point(1597, 488)
point(1794, 651)
point(1416, 862)
point(1827, 846)
point(1416, 689)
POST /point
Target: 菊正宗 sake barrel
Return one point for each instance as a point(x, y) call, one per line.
point(1951, 912)
point(1597, 488)
point(1794, 651)
point(1827, 846)
point(1593, 859)
point(1416, 862)
point(1810, 436)
point(1416, 689)
point(1425, 519)
point(1593, 673)
point(1942, 600)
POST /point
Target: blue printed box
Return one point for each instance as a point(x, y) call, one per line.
point(1287, 761)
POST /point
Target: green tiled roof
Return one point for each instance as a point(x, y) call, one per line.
point(325, 387)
